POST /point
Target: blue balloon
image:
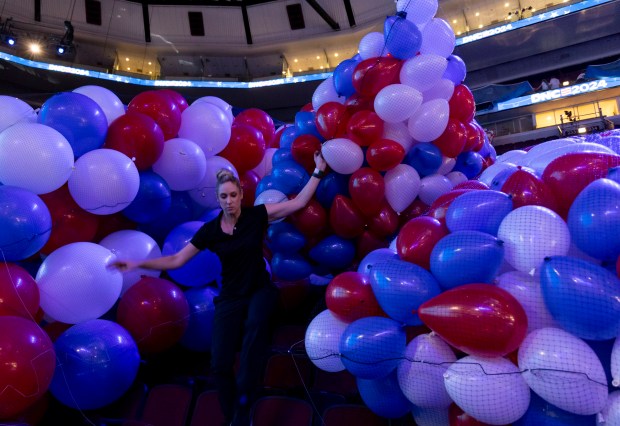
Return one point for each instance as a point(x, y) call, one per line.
point(466, 257)
point(284, 237)
point(456, 70)
point(426, 158)
point(180, 211)
point(401, 287)
point(197, 336)
point(97, 362)
point(202, 269)
point(25, 223)
point(266, 183)
point(372, 347)
point(305, 124)
point(78, 118)
point(343, 77)
point(500, 179)
point(331, 185)
point(469, 163)
point(153, 199)
point(603, 349)
point(403, 39)
point(209, 215)
point(541, 413)
point(384, 397)
point(333, 252)
point(288, 136)
point(374, 257)
point(594, 219)
point(582, 297)
point(290, 266)
point(281, 155)
point(614, 174)
point(290, 176)
point(478, 211)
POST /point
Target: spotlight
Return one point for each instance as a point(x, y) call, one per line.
point(11, 41)
point(60, 49)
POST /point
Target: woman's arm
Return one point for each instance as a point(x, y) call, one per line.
point(279, 210)
point(173, 261)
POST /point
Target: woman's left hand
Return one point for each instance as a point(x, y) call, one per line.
point(319, 161)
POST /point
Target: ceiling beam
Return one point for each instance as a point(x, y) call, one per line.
point(323, 14)
point(350, 14)
point(37, 10)
point(246, 25)
point(147, 22)
point(223, 3)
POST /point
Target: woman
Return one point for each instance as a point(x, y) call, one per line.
point(244, 308)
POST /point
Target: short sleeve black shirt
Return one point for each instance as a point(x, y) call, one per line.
point(241, 254)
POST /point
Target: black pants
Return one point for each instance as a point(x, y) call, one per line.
point(249, 318)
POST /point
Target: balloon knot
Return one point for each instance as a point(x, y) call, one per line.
point(402, 14)
point(547, 259)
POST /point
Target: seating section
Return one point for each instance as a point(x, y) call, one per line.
point(167, 405)
point(352, 414)
point(281, 411)
point(207, 410)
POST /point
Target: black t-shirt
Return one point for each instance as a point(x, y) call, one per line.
point(241, 254)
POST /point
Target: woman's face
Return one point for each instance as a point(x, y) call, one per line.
point(229, 196)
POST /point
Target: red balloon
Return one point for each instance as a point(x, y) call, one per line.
point(345, 218)
point(618, 267)
point(349, 297)
point(368, 242)
point(27, 363)
point(452, 140)
point(528, 189)
point(440, 206)
point(373, 74)
point(415, 209)
point(112, 223)
point(70, 223)
point(245, 148)
point(307, 108)
point(367, 189)
point(478, 319)
point(55, 329)
point(331, 120)
point(568, 175)
point(458, 417)
point(177, 98)
point(471, 184)
point(311, 220)
point(385, 154)
point(137, 136)
point(19, 293)
point(475, 136)
point(161, 108)
point(155, 312)
point(364, 127)
point(258, 119)
point(303, 149)
point(417, 238)
point(357, 102)
point(385, 222)
point(462, 104)
point(249, 181)
point(275, 141)
point(413, 331)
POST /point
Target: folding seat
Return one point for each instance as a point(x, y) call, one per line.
point(207, 411)
point(278, 410)
point(352, 414)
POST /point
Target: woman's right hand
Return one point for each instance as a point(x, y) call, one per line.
point(124, 265)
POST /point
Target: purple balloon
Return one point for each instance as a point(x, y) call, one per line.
point(456, 71)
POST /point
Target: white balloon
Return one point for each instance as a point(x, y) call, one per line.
point(447, 164)
point(491, 390)
point(371, 45)
point(456, 178)
point(423, 72)
point(438, 38)
point(109, 103)
point(540, 162)
point(515, 156)
point(563, 370)
point(270, 196)
point(135, 245)
point(205, 192)
point(402, 185)
point(418, 11)
point(104, 181)
point(431, 416)
point(443, 89)
point(397, 102)
point(220, 103)
point(76, 284)
point(265, 166)
point(615, 364)
point(430, 120)
point(34, 157)
point(326, 92)
point(343, 155)
point(182, 164)
point(531, 233)
point(489, 174)
point(399, 133)
point(322, 340)
point(420, 373)
point(432, 187)
point(206, 125)
point(610, 416)
point(545, 147)
point(526, 289)
point(15, 111)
